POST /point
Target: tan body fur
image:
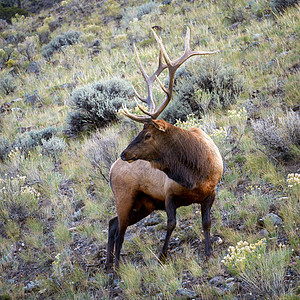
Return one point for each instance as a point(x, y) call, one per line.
point(141, 176)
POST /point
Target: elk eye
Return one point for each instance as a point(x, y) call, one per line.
point(147, 136)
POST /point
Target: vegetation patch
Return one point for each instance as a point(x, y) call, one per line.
point(280, 136)
point(7, 13)
point(69, 38)
point(55, 199)
point(202, 86)
point(96, 105)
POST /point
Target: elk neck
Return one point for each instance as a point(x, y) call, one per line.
point(183, 157)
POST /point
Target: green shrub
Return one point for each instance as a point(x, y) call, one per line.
point(18, 200)
point(5, 147)
point(29, 47)
point(5, 55)
point(263, 271)
point(95, 105)
point(202, 85)
point(7, 13)
point(7, 84)
point(102, 149)
point(27, 141)
point(280, 136)
point(146, 9)
point(53, 146)
point(30, 140)
point(69, 38)
point(281, 5)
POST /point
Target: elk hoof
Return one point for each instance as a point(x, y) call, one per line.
point(209, 257)
point(162, 257)
point(108, 268)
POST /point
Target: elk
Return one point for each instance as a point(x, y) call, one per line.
point(164, 167)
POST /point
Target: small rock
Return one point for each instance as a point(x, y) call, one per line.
point(186, 293)
point(34, 68)
point(153, 220)
point(15, 100)
point(230, 279)
point(257, 36)
point(260, 222)
point(96, 43)
point(241, 227)
point(32, 99)
point(276, 220)
point(263, 233)
point(216, 281)
point(217, 240)
point(283, 53)
point(234, 26)
point(31, 285)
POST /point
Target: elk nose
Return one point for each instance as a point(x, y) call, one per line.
point(123, 156)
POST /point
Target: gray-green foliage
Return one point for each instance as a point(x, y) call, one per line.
point(95, 105)
point(146, 8)
point(209, 77)
point(7, 84)
point(30, 140)
point(53, 146)
point(102, 149)
point(5, 147)
point(130, 13)
point(280, 136)
point(69, 38)
point(281, 5)
point(26, 141)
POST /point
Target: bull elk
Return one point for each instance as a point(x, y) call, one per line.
point(164, 167)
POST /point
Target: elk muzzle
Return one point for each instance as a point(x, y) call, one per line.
point(125, 156)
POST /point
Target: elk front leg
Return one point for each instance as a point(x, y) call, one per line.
point(171, 224)
point(206, 222)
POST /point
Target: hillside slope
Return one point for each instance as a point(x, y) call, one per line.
point(65, 73)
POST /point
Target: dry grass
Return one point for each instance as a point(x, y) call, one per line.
point(53, 240)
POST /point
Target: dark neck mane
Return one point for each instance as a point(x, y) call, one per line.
point(182, 158)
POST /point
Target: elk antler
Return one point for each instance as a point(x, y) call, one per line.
point(172, 67)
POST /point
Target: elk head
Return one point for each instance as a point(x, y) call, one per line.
point(149, 142)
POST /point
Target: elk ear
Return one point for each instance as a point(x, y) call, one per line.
point(160, 125)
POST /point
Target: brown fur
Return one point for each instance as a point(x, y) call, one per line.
point(171, 168)
point(185, 167)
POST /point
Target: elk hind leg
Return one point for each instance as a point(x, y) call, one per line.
point(206, 222)
point(142, 207)
point(112, 231)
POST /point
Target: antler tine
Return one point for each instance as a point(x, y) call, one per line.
point(187, 39)
point(147, 100)
point(140, 119)
point(149, 82)
point(138, 95)
point(173, 66)
point(162, 48)
point(139, 63)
